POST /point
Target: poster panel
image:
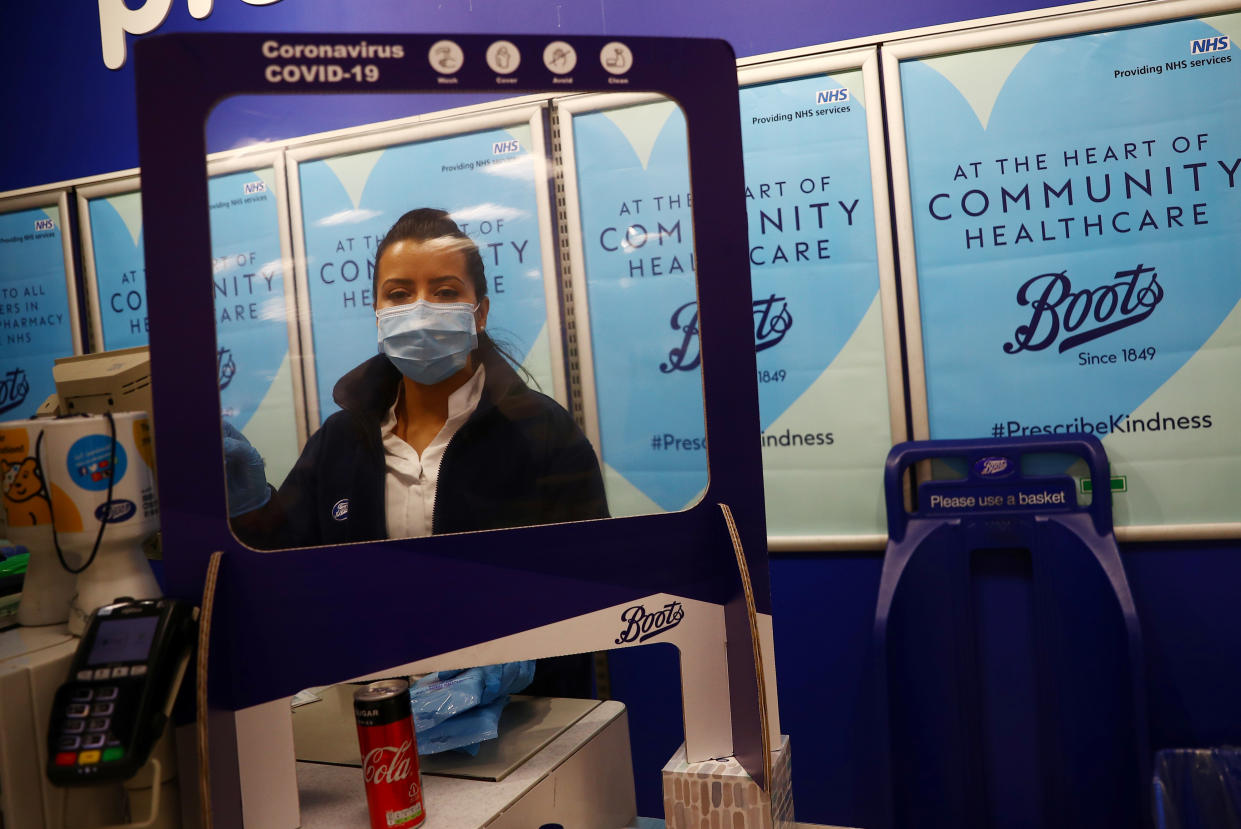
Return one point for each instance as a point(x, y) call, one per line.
point(259, 385)
point(1075, 198)
point(115, 271)
point(829, 385)
point(830, 393)
point(38, 301)
point(255, 364)
point(489, 172)
point(635, 287)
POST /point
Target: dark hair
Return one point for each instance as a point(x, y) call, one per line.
point(425, 224)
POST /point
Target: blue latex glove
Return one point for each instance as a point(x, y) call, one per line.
point(244, 473)
point(456, 709)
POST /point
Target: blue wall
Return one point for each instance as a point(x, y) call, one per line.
point(1186, 596)
point(67, 116)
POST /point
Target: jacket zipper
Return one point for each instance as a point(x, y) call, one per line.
point(435, 496)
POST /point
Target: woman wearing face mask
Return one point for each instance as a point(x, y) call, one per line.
point(437, 433)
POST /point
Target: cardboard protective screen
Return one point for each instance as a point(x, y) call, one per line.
point(294, 619)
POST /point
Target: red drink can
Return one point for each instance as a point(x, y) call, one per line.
point(389, 754)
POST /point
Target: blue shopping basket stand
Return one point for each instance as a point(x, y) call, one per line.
point(1010, 686)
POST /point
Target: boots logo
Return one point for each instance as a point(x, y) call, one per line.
point(772, 320)
point(116, 510)
point(226, 367)
point(14, 388)
point(994, 467)
point(640, 625)
point(1083, 315)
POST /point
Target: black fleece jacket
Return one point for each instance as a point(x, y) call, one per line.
point(519, 460)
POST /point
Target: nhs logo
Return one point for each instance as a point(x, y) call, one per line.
point(1209, 44)
point(44, 224)
point(252, 187)
point(505, 147)
point(831, 96)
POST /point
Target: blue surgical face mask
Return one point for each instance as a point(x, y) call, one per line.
point(428, 341)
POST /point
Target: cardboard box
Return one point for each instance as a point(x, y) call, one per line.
point(719, 794)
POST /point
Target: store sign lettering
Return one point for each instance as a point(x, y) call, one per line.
point(116, 20)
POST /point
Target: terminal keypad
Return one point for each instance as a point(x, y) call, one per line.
point(86, 739)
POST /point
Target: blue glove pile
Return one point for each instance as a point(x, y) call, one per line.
point(460, 709)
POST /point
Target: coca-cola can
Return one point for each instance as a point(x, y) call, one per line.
point(389, 755)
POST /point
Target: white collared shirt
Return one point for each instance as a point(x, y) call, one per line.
point(410, 480)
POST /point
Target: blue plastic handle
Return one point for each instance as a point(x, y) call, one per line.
point(1087, 447)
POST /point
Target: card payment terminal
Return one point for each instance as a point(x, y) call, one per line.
point(110, 712)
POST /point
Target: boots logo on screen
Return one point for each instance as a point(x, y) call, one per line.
point(1057, 309)
point(772, 320)
point(14, 388)
point(226, 367)
point(640, 625)
point(116, 19)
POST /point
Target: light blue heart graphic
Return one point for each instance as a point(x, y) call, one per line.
point(486, 180)
point(1056, 313)
point(248, 276)
point(813, 262)
point(35, 324)
point(338, 277)
point(120, 269)
point(633, 180)
point(247, 279)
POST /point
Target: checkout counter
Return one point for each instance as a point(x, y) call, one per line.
point(556, 760)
